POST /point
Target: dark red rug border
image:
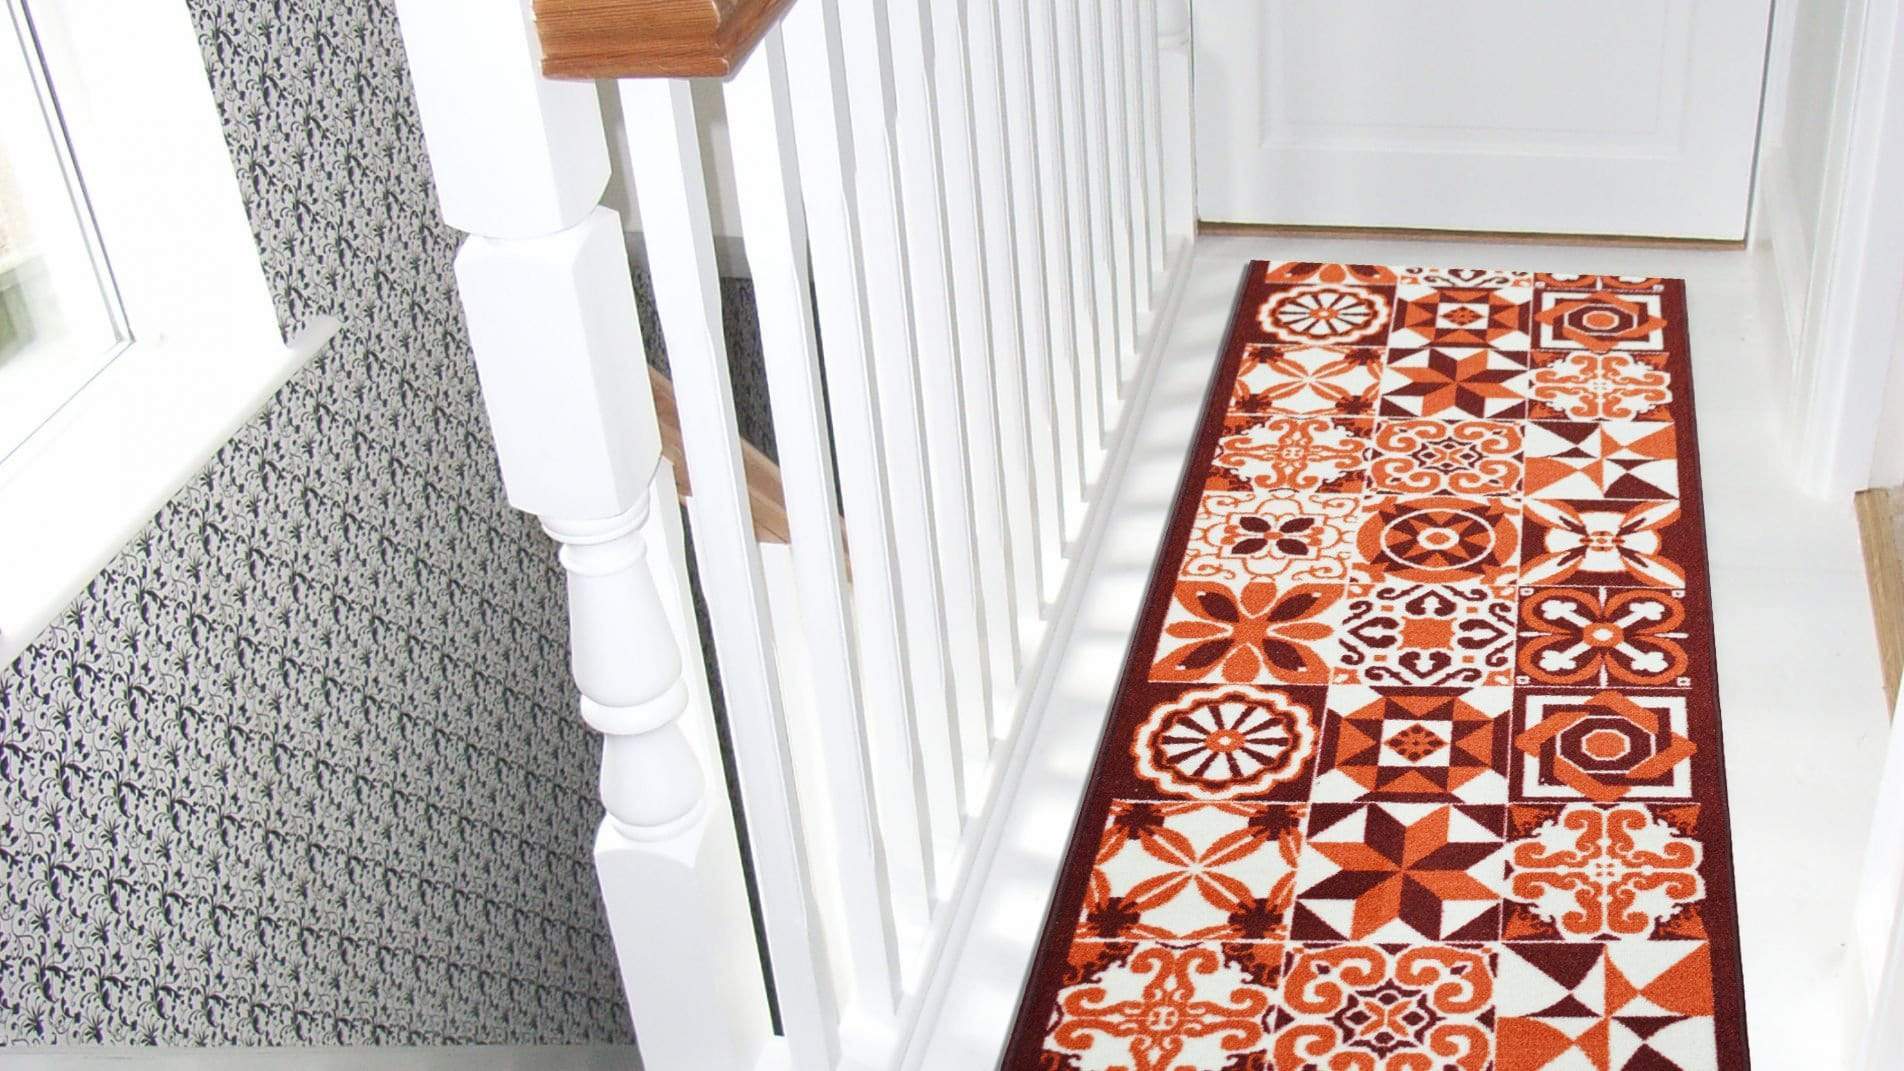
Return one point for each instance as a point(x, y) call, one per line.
point(1045, 973)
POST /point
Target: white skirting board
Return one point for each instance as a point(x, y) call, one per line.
point(350, 1058)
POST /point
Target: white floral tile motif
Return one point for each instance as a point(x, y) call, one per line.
point(1166, 1006)
point(1593, 872)
point(1616, 544)
point(1277, 534)
point(1194, 872)
point(1267, 451)
point(1583, 385)
point(1307, 380)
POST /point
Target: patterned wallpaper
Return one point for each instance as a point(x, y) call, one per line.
point(302, 765)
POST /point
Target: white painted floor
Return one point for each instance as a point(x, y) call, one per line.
point(1802, 702)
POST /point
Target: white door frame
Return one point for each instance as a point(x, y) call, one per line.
point(1851, 329)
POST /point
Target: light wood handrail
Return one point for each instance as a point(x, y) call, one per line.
point(763, 476)
point(651, 38)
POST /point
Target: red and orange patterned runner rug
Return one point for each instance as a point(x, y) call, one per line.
point(1415, 763)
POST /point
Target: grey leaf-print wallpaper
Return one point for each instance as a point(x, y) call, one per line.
point(302, 766)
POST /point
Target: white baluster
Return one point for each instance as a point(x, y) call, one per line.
point(974, 266)
point(1038, 286)
point(939, 348)
point(1001, 223)
point(887, 277)
point(773, 226)
point(1175, 138)
point(1149, 44)
point(1106, 270)
point(1069, 319)
point(1087, 318)
point(821, 128)
point(670, 190)
point(972, 291)
point(1121, 140)
point(520, 162)
point(1136, 105)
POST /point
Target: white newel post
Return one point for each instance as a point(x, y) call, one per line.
point(520, 163)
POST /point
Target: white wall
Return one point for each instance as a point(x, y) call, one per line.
point(1803, 110)
point(1826, 209)
point(1887, 461)
point(1805, 142)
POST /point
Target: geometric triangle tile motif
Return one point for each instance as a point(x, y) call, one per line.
point(1415, 761)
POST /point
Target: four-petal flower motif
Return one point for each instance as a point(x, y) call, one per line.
point(1259, 633)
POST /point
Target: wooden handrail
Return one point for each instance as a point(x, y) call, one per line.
point(764, 493)
point(651, 38)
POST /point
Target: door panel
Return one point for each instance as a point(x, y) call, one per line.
point(1612, 118)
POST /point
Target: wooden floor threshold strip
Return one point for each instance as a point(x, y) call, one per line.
point(1881, 529)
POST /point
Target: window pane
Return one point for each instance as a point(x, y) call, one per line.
point(59, 323)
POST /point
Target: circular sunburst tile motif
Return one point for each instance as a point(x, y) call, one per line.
point(1224, 743)
point(1332, 314)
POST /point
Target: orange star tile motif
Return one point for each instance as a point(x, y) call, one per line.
point(1414, 760)
point(1400, 872)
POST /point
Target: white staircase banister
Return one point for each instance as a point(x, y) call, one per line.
point(958, 216)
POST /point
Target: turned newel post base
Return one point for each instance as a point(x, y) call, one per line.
point(666, 855)
point(651, 781)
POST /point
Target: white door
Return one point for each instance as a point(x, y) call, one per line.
point(1626, 117)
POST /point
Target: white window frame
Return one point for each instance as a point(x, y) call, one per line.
point(206, 352)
